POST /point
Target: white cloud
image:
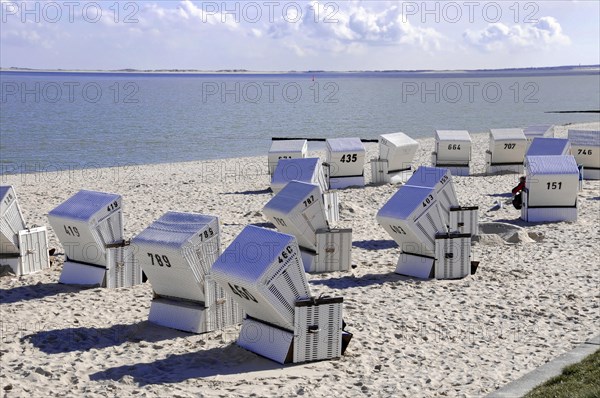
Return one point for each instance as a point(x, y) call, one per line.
point(546, 33)
point(355, 34)
point(354, 26)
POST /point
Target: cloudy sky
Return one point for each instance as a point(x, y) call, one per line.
point(301, 35)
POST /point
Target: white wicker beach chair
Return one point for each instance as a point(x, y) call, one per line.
point(24, 249)
point(299, 210)
point(453, 151)
point(89, 226)
point(551, 188)
point(177, 252)
point(396, 154)
point(263, 271)
point(507, 151)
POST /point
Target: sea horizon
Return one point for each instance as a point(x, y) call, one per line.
point(535, 70)
point(82, 120)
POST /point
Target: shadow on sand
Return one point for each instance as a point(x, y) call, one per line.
point(264, 225)
point(524, 224)
point(230, 360)
point(346, 282)
point(375, 244)
point(87, 338)
point(38, 291)
point(256, 192)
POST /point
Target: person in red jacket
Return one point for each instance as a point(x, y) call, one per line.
point(516, 191)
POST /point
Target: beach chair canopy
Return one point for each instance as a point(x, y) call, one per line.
point(86, 223)
point(398, 149)
point(345, 156)
point(263, 271)
point(12, 220)
point(298, 210)
point(177, 252)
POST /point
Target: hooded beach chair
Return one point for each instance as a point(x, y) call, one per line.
point(414, 219)
point(453, 151)
point(551, 188)
point(462, 219)
point(262, 270)
point(89, 226)
point(311, 171)
point(396, 154)
point(345, 162)
point(585, 146)
point(177, 252)
point(299, 210)
point(506, 152)
point(285, 149)
point(541, 131)
point(24, 249)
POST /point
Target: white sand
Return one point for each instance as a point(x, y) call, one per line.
point(527, 304)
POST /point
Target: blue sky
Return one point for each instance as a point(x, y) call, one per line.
point(301, 35)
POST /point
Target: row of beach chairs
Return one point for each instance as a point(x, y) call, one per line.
point(508, 148)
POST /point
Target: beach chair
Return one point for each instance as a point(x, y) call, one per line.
point(263, 271)
point(507, 151)
point(89, 226)
point(461, 219)
point(441, 179)
point(414, 219)
point(585, 146)
point(551, 188)
point(345, 162)
point(309, 170)
point(548, 146)
point(453, 151)
point(285, 149)
point(541, 131)
point(24, 249)
point(394, 164)
point(177, 252)
point(299, 210)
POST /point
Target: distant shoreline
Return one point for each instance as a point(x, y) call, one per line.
point(550, 70)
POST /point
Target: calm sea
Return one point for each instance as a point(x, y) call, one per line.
point(85, 120)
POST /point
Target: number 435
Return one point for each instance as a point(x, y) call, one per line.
point(349, 158)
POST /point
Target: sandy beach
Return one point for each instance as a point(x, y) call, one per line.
point(530, 301)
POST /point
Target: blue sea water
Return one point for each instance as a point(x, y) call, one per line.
point(51, 120)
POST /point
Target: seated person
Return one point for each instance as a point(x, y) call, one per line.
point(516, 191)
